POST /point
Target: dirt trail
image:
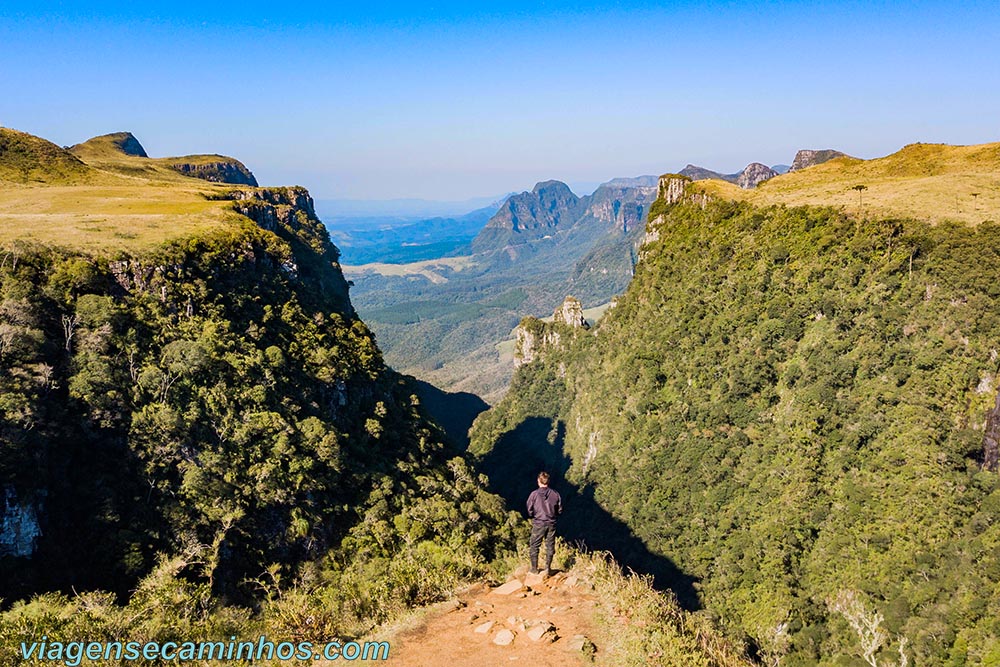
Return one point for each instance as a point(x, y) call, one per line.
point(547, 622)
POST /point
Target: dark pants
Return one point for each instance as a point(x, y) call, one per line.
point(539, 533)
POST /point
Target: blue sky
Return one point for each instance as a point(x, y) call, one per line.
point(452, 100)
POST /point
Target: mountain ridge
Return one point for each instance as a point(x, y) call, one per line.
point(934, 182)
point(777, 404)
point(122, 152)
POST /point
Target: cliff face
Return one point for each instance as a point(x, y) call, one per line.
point(225, 170)
point(531, 338)
point(672, 188)
point(810, 158)
point(127, 144)
point(309, 257)
point(290, 213)
point(779, 438)
point(991, 438)
point(750, 177)
point(620, 208)
point(549, 204)
point(535, 338)
point(754, 174)
point(210, 370)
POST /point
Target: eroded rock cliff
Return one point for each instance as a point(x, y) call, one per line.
point(810, 158)
point(225, 170)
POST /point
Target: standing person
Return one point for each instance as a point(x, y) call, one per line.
point(544, 505)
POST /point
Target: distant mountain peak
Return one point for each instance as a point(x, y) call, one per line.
point(750, 177)
point(696, 173)
point(754, 174)
point(552, 186)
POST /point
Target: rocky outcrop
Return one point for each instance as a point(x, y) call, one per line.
point(531, 337)
point(271, 207)
point(225, 170)
point(547, 205)
point(570, 313)
point(754, 174)
point(127, 144)
point(672, 187)
point(623, 208)
point(810, 158)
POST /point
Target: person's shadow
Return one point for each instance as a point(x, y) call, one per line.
point(536, 444)
point(453, 412)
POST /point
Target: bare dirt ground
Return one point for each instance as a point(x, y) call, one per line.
point(527, 621)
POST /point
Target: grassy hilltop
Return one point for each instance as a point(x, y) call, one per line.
point(931, 182)
point(97, 198)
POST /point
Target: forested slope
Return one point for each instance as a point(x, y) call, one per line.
point(201, 419)
point(789, 406)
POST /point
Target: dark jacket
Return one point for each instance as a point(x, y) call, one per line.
point(544, 505)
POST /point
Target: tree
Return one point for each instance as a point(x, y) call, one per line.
point(867, 624)
point(860, 188)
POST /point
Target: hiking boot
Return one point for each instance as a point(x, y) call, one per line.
point(534, 570)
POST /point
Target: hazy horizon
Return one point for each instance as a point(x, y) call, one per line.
point(395, 101)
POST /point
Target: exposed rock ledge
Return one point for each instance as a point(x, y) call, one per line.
point(534, 337)
point(223, 171)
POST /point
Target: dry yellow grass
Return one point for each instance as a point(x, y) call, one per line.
point(112, 202)
point(102, 154)
point(933, 182)
point(93, 218)
point(432, 269)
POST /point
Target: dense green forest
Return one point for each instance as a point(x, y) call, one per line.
point(199, 438)
point(206, 428)
point(787, 408)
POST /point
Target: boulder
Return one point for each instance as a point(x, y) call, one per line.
point(540, 630)
point(510, 587)
point(504, 638)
